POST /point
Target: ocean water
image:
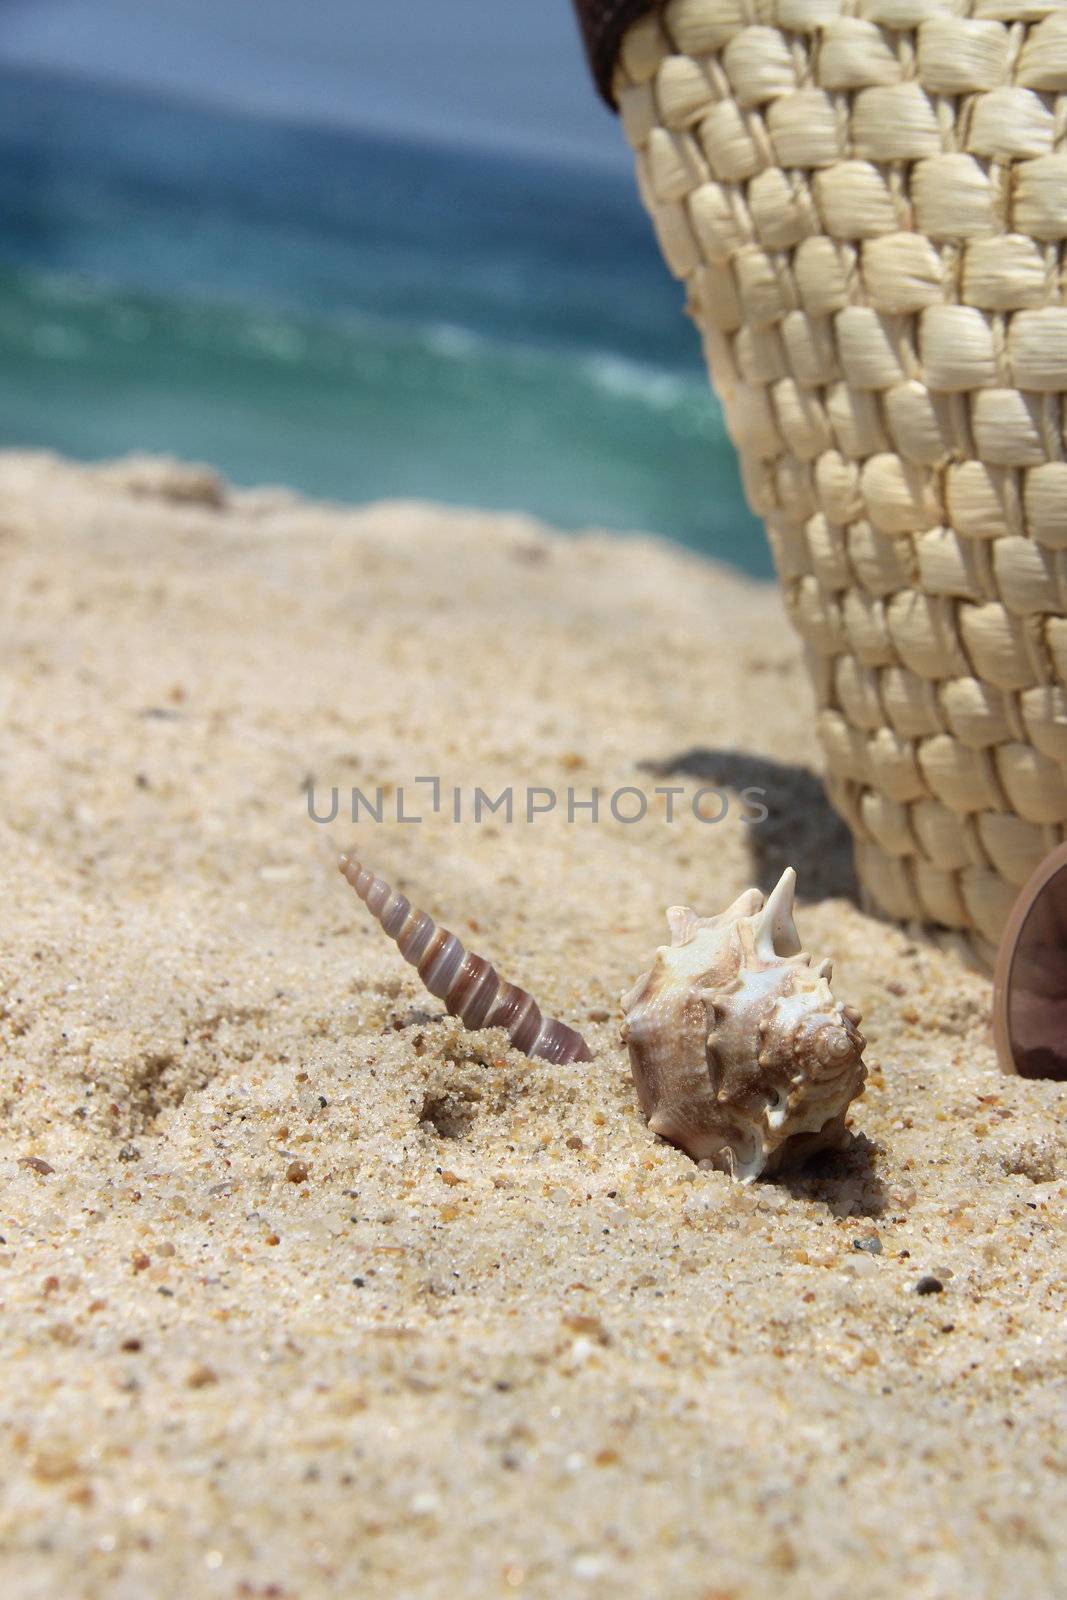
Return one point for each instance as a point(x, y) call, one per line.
point(349, 315)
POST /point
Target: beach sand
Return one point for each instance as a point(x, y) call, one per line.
point(307, 1292)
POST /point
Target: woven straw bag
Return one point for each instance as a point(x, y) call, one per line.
point(867, 201)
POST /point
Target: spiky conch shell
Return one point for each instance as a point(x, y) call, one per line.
point(470, 986)
point(740, 1054)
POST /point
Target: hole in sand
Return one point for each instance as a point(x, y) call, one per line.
point(448, 1113)
point(1035, 1159)
point(157, 1082)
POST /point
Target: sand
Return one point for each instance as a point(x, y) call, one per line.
point(307, 1292)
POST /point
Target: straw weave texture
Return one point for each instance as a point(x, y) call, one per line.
point(867, 202)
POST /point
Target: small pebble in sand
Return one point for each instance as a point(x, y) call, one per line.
point(297, 1172)
point(36, 1164)
point(141, 1261)
point(201, 1377)
point(871, 1243)
point(588, 1326)
point(52, 1465)
point(929, 1285)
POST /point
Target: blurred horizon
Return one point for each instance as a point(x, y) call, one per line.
point(615, 176)
point(473, 75)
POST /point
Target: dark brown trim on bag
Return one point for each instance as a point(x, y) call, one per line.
point(603, 23)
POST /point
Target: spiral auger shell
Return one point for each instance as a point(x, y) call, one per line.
point(470, 986)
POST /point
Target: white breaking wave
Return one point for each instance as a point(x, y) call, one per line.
point(631, 380)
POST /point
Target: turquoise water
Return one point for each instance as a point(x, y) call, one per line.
point(351, 316)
